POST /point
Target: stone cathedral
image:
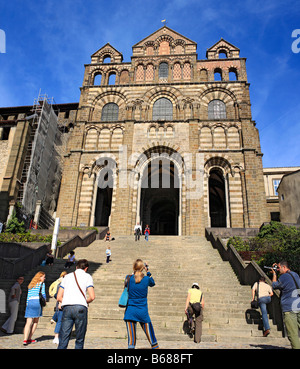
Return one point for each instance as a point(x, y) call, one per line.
point(165, 140)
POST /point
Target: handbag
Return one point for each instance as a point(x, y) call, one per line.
point(42, 299)
point(123, 301)
point(254, 303)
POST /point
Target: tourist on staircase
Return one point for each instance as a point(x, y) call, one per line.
point(33, 306)
point(147, 232)
point(74, 303)
point(289, 285)
point(137, 231)
point(264, 292)
point(71, 260)
point(13, 303)
point(137, 307)
point(194, 307)
point(56, 318)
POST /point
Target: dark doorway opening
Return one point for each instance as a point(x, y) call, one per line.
point(160, 197)
point(104, 197)
point(217, 199)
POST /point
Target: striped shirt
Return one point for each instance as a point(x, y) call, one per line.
point(34, 292)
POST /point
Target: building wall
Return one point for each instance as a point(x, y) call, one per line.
point(272, 179)
point(14, 151)
point(289, 198)
point(229, 143)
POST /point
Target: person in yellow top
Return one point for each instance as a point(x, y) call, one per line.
point(194, 306)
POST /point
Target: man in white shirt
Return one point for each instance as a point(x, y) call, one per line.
point(72, 295)
point(137, 231)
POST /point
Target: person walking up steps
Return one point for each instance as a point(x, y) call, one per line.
point(137, 231)
point(147, 232)
point(72, 295)
point(13, 303)
point(108, 255)
point(194, 306)
point(264, 297)
point(137, 307)
point(53, 289)
point(33, 306)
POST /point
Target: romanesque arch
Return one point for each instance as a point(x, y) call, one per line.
point(158, 189)
point(110, 96)
point(221, 94)
point(224, 187)
point(171, 93)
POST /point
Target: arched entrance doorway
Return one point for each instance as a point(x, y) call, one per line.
point(104, 197)
point(159, 201)
point(217, 198)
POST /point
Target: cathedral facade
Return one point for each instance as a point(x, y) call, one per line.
point(165, 140)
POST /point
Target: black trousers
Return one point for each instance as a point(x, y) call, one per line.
point(198, 323)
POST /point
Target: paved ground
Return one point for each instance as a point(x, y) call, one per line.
point(45, 342)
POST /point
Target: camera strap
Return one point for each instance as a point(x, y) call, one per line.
point(298, 288)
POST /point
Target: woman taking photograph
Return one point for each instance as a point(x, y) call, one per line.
point(33, 307)
point(137, 307)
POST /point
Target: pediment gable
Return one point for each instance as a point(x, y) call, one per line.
point(164, 41)
point(222, 45)
point(107, 50)
point(164, 32)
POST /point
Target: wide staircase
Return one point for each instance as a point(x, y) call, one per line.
point(175, 263)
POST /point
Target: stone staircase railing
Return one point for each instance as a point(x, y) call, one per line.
point(247, 274)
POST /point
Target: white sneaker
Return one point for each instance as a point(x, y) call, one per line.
point(56, 340)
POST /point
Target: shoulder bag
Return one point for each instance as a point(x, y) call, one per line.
point(41, 297)
point(197, 306)
point(79, 286)
point(123, 301)
point(254, 303)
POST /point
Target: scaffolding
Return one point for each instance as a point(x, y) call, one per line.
point(44, 122)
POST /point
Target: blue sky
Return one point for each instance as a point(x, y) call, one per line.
point(48, 43)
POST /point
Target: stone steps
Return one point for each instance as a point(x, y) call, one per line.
point(175, 263)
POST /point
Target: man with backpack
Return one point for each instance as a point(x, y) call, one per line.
point(194, 306)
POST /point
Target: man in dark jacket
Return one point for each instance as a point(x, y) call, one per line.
point(289, 284)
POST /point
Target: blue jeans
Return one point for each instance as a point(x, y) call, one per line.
point(262, 302)
point(146, 236)
point(59, 314)
point(73, 314)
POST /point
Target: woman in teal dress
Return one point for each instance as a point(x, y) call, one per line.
point(137, 307)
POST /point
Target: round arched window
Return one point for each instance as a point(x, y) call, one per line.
point(110, 112)
point(216, 110)
point(162, 109)
point(163, 70)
